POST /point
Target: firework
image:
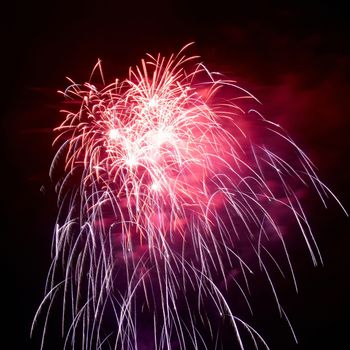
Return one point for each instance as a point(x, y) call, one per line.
point(170, 190)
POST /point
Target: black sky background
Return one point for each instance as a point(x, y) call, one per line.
point(294, 58)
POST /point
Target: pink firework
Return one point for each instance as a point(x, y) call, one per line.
point(170, 187)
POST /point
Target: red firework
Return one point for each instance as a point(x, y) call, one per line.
point(166, 180)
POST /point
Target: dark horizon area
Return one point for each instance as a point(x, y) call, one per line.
point(294, 58)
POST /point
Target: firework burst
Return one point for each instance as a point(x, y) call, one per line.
point(167, 183)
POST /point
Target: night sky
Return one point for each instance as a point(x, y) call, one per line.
point(295, 59)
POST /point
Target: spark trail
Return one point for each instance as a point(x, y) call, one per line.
point(167, 183)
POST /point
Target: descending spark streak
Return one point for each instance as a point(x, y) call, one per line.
point(166, 181)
